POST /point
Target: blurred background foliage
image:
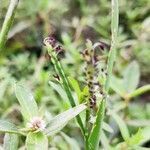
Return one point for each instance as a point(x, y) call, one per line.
point(72, 22)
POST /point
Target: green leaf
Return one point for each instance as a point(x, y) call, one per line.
point(59, 90)
point(105, 141)
point(11, 141)
point(122, 126)
point(58, 122)
point(72, 143)
point(36, 141)
point(107, 127)
point(145, 134)
point(94, 137)
point(6, 126)
point(84, 94)
point(135, 139)
point(117, 85)
point(74, 83)
point(131, 77)
point(3, 85)
point(27, 102)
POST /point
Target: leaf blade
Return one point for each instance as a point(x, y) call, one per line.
point(94, 137)
point(11, 142)
point(6, 126)
point(58, 122)
point(36, 141)
point(27, 102)
point(131, 77)
point(122, 126)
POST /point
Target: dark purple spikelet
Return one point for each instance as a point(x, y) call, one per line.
point(56, 77)
point(92, 59)
point(103, 46)
point(57, 48)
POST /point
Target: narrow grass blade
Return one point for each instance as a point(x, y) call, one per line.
point(8, 22)
point(11, 142)
point(36, 141)
point(58, 122)
point(74, 83)
point(27, 102)
point(72, 143)
point(107, 127)
point(105, 141)
point(94, 137)
point(114, 31)
point(122, 126)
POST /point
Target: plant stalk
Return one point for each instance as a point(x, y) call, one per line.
point(112, 53)
point(8, 22)
point(60, 71)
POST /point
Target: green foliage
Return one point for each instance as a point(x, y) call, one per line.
point(122, 71)
point(9, 127)
point(11, 141)
point(36, 141)
point(58, 122)
point(131, 77)
point(122, 125)
point(27, 102)
point(95, 134)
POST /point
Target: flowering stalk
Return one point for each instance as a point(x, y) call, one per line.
point(53, 49)
point(8, 22)
point(114, 31)
point(92, 56)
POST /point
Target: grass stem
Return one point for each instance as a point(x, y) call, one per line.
point(8, 22)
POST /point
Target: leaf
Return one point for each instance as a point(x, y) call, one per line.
point(145, 134)
point(6, 126)
point(73, 145)
point(131, 77)
point(3, 85)
point(36, 141)
point(11, 141)
point(94, 137)
point(27, 102)
point(105, 141)
point(107, 127)
point(74, 83)
point(122, 126)
point(84, 94)
point(135, 139)
point(117, 85)
point(58, 122)
point(59, 90)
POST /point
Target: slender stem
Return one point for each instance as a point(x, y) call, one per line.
point(60, 71)
point(112, 53)
point(139, 91)
point(8, 22)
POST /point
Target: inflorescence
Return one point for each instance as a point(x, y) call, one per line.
point(92, 60)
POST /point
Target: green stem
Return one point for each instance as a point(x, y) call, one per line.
point(8, 22)
point(112, 53)
point(139, 91)
point(60, 71)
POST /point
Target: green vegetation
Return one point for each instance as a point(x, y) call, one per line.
point(74, 75)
